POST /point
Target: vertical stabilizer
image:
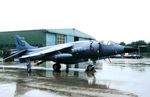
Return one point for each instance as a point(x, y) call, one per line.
point(21, 44)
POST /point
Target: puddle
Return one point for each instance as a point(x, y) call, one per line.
point(124, 75)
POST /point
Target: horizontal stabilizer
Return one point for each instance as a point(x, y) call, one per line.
point(14, 55)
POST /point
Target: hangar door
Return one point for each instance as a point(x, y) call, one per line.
point(60, 39)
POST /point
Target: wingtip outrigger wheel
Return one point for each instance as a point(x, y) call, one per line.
point(67, 68)
point(29, 68)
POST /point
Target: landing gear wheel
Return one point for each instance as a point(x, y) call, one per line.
point(29, 68)
point(56, 67)
point(90, 68)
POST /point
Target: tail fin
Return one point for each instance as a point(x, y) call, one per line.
point(21, 44)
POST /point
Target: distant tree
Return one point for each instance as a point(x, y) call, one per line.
point(148, 44)
point(122, 43)
point(140, 44)
point(148, 47)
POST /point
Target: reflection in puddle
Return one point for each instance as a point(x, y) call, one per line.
point(91, 77)
point(7, 90)
point(39, 93)
point(129, 76)
point(24, 82)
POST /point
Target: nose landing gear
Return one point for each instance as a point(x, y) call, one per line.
point(91, 67)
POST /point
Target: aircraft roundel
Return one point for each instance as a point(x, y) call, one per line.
point(91, 49)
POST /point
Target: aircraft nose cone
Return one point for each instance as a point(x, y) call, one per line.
point(130, 49)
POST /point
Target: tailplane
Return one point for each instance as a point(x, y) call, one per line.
point(21, 44)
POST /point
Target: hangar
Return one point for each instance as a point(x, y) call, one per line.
point(42, 37)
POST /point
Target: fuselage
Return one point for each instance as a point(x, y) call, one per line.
point(80, 51)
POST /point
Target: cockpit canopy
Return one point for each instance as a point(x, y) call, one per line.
point(108, 43)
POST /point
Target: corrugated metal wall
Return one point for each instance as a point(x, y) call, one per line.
point(34, 37)
point(41, 37)
point(50, 39)
point(69, 38)
point(82, 39)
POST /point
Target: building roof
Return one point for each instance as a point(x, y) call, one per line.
point(72, 32)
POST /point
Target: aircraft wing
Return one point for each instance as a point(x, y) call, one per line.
point(49, 50)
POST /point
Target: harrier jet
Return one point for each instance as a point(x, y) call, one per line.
point(67, 53)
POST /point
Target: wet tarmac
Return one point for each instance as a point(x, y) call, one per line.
point(132, 75)
point(121, 78)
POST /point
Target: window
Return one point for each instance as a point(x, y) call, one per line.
point(60, 38)
point(76, 38)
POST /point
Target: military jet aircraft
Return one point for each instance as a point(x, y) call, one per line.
point(67, 53)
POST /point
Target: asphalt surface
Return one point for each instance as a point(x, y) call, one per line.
point(43, 82)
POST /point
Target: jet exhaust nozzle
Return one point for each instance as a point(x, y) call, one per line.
point(130, 49)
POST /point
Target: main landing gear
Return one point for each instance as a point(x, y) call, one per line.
point(29, 67)
point(56, 67)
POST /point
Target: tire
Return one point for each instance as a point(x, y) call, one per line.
point(90, 68)
point(29, 68)
point(56, 67)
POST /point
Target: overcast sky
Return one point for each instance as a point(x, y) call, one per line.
point(116, 20)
